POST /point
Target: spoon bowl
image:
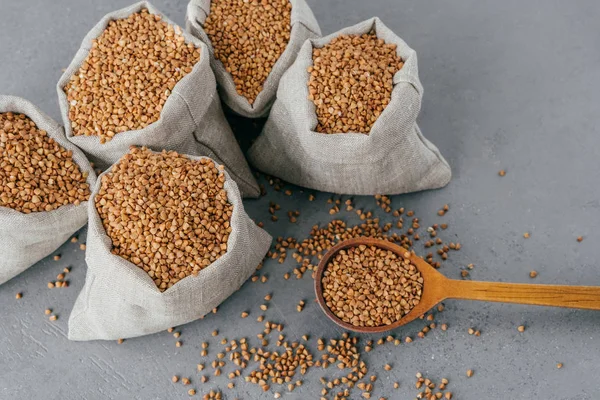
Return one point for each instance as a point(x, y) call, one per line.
point(436, 288)
point(429, 296)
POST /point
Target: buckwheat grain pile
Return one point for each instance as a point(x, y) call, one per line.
point(165, 213)
point(371, 286)
point(128, 75)
point(351, 82)
point(36, 173)
point(248, 37)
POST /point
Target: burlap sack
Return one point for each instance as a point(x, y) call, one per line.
point(27, 238)
point(394, 158)
point(304, 26)
point(120, 300)
point(191, 122)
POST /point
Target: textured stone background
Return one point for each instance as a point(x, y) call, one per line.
point(508, 84)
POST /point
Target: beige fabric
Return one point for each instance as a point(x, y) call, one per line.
point(27, 238)
point(394, 158)
point(120, 300)
point(191, 122)
point(304, 26)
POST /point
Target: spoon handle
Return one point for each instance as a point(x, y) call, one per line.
point(586, 297)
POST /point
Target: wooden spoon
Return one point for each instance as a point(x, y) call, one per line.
point(436, 288)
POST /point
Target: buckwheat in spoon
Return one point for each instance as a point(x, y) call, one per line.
point(371, 285)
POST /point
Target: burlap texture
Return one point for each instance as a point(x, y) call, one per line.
point(120, 300)
point(27, 238)
point(191, 121)
point(304, 26)
point(394, 158)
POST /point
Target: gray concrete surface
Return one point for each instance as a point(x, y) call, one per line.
point(508, 84)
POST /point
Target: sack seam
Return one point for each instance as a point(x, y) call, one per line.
point(187, 105)
point(437, 154)
point(87, 297)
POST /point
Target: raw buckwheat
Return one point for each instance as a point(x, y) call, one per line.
point(36, 173)
point(370, 286)
point(351, 82)
point(128, 75)
point(165, 213)
point(248, 37)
